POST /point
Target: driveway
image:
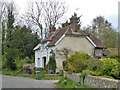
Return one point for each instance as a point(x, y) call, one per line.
point(22, 82)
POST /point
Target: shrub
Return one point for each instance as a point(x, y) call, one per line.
point(28, 60)
point(4, 62)
point(52, 63)
point(65, 65)
point(33, 59)
point(92, 72)
point(78, 62)
point(117, 57)
point(67, 83)
point(110, 67)
point(19, 63)
point(10, 62)
point(94, 65)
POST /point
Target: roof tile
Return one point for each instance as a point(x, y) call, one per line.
point(56, 35)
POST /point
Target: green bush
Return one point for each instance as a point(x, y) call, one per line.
point(94, 65)
point(110, 67)
point(67, 83)
point(117, 57)
point(28, 60)
point(65, 65)
point(4, 62)
point(33, 59)
point(19, 63)
point(52, 62)
point(92, 72)
point(9, 57)
point(78, 62)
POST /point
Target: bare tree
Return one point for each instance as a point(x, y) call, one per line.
point(44, 15)
point(54, 10)
point(7, 9)
point(33, 16)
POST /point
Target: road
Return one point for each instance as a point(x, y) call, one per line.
point(22, 82)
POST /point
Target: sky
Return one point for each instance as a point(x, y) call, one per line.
point(89, 9)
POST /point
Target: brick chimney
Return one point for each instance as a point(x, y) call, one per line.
point(74, 21)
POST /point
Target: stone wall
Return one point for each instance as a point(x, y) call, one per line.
point(94, 81)
point(100, 82)
point(74, 77)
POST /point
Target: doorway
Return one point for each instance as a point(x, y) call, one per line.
point(44, 60)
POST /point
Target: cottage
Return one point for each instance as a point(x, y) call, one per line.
point(66, 41)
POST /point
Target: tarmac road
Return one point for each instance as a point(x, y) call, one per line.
point(22, 82)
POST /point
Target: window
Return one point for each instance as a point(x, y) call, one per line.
point(98, 52)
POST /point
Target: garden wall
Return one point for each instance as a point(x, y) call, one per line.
point(93, 81)
point(99, 82)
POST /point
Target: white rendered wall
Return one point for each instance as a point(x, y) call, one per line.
point(42, 53)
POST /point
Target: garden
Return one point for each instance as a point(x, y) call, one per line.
point(23, 68)
point(108, 67)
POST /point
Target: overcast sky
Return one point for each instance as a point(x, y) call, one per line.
point(89, 9)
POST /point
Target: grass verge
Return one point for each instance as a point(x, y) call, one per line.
point(67, 83)
point(42, 77)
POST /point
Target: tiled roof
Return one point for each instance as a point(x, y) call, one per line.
point(56, 35)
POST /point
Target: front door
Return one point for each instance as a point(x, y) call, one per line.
point(44, 59)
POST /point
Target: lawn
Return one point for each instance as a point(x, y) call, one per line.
point(42, 77)
point(67, 83)
point(45, 77)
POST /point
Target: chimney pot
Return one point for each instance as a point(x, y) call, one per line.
point(75, 14)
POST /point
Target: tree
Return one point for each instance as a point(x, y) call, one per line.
point(22, 44)
point(99, 26)
point(3, 37)
point(45, 15)
point(103, 30)
point(65, 24)
point(52, 63)
point(78, 23)
point(7, 34)
point(24, 41)
point(9, 15)
point(18, 42)
point(54, 10)
point(110, 38)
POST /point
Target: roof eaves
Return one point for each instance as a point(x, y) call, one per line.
point(91, 42)
point(60, 39)
point(37, 47)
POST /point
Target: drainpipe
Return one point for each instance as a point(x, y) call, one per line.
point(94, 52)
